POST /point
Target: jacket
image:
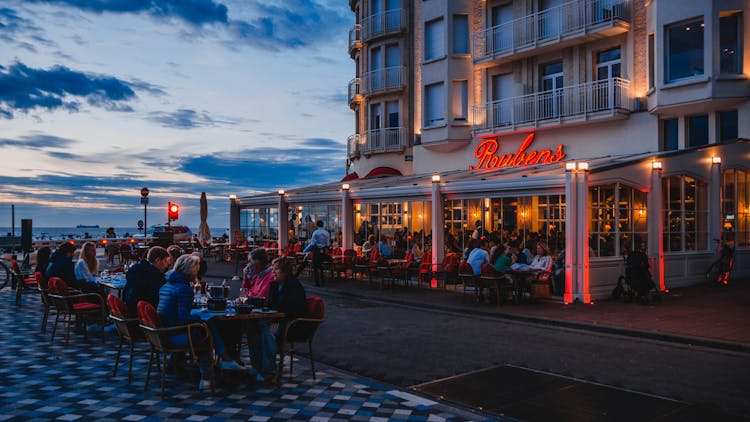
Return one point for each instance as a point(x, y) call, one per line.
point(63, 267)
point(143, 281)
point(176, 301)
point(289, 298)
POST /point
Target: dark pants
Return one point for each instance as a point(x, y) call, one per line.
point(318, 257)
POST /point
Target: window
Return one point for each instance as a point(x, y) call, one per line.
point(727, 125)
point(651, 63)
point(669, 134)
point(460, 100)
point(434, 104)
point(685, 215)
point(697, 130)
point(460, 34)
point(392, 110)
point(730, 52)
point(684, 55)
point(434, 40)
point(259, 223)
point(618, 219)
point(735, 207)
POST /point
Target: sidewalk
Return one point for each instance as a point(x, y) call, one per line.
point(708, 315)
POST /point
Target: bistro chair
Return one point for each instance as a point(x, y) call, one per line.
point(495, 280)
point(26, 284)
point(158, 337)
point(467, 278)
point(128, 330)
point(301, 330)
point(425, 269)
point(46, 301)
point(448, 269)
point(75, 308)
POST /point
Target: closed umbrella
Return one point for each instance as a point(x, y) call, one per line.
point(204, 233)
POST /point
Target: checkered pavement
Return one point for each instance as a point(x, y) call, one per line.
point(40, 380)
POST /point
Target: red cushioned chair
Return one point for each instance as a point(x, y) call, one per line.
point(128, 330)
point(158, 336)
point(46, 301)
point(75, 308)
point(492, 279)
point(26, 284)
point(301, 330)
point(467, 277)
point(425, 268)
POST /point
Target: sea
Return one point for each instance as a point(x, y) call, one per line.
point(64, 233)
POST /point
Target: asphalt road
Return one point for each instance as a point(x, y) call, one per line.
point(406, 346)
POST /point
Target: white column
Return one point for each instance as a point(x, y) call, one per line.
point(714, 202)
point(234, 217)
point(283, 223)
point(347, 216)
point(655, 222)
point(581, 291)
point(438, 245)
point(571, 222)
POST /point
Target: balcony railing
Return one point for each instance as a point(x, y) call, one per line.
point(355, 38)
point(592, 100)
point(391, 21)
point(568, 20)
point(352, 146)
point(390, 139)
point(355, 94)
point(383, 79)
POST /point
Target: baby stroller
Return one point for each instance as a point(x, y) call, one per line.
point(637, 283)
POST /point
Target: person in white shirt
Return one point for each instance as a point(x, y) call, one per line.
point(542, 260)
point(478, 257)
point(87, 264)
point(319, 240)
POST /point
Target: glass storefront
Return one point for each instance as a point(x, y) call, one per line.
point(685, 214)
point(735, 207)
point(618, 219)
point(259, 224)
point(402, 224)
point(303, 219)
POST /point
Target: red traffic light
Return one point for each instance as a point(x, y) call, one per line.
point(173, 211)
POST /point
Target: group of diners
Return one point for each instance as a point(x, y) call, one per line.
point(167, 279)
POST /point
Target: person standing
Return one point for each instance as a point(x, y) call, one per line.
point(144, 279)
point(319, 241)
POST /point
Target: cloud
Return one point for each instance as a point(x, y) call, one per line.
point(24, 89)
point(185, 119)
point(14, 28)
point(193, 12)
point(38, 141)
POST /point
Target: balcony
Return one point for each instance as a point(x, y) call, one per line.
point(352, 146)
point(355, 95)
point(571, 23)
point(597, 100)
point(389, 22)
point(381, 80)
point(392, 139)
point(355, 39)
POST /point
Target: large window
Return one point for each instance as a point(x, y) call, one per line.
point(697, 130)
point(727, 121)
point(307, 216)
point(651, 63)
point(460, 100)
point(669, 128)
point(259, 224)
point(684, 52)
point(434, 104)
point(735, 207)
point(460, 34)
point(434, 40)
point(409, 222)
point(685, 215)
point(730, 49)
point(618, 219)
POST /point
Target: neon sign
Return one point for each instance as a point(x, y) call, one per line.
point(488, 159)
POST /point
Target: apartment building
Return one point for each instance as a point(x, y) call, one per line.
point(596, 126)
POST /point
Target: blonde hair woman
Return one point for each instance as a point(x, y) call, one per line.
point(87, 264)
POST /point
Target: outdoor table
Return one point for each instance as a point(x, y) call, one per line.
point(495, 281)
point(113, 283)
point(521, 281)
point(220, 250)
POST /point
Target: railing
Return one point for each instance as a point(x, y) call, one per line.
point(352, 146)
point(609, 95)
point(383, 79)
point(355, 38)
point(551, 24)
point(354, 90)
point(383, 23)
point(384, 140)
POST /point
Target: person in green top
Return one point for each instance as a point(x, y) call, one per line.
point(500, 259)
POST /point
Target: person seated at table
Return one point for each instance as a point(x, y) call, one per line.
point(368, 246)
point(175, 303)
point(247, 272)
point(473, 244)
point(500, 259)
point(42, 261)
point(87, 264)
point(144, 279)
point(384, 250)
point(542, 260)
point(262, 274)
point(61, 265)
point(417, 251)
point(518, 256)
point(478, 257)
point(174, 252)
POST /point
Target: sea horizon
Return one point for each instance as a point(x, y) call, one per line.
point(58, 233)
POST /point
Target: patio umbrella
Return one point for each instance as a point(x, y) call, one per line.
point(204, 233)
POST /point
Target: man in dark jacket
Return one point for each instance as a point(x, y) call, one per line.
point(61, 265)
point(145, 278)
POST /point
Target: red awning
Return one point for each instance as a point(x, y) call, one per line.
point(383, 171)
point(351, 176)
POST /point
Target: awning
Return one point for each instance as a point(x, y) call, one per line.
point(382, 171)
point(351, 176)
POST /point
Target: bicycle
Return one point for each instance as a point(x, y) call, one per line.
point(6, 275)
point(719, 270)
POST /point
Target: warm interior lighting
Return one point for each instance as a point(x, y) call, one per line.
point(281, 191)
point(299, 208)
point(716, 160)
point(232, 196)
point(583, 166)
point(345, 186)
point(656, 165)
point(570, 166)
point(435, 178)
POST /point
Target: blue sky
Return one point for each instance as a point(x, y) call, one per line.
point(99, 98)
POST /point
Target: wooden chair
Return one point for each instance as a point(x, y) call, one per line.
point(46, 301)
point(467, 278)
point(301, 330)
point(128, 330)
point(75, 309)
point(495, 280)
point(158, 336)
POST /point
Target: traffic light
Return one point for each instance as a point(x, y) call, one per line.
point(173, 211)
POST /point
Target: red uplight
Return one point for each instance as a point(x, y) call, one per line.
point(433, 283)
point(132, 240)
point(105, 241)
